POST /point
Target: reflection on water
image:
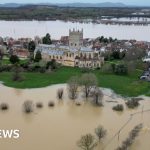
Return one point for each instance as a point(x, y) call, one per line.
point(59, 128)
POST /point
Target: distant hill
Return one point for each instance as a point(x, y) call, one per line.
point(11, 5)
point(106, 4)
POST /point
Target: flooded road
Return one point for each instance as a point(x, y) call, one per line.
point(60, 127)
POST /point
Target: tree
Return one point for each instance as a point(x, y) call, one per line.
point(132, 135)
point(134, 54)
point(31, 48)
point(97, 95)
point(60, 93)
point(52, 64)
point(116, 54)
point(38, 56)
point(100, 132)
point(87, 142)
point(17, 70)
point(88, 81)
point(73, 85)
point(1, 54)
point(14, 59)
point(47, 39)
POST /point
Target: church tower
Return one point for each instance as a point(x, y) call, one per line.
point(75, 38)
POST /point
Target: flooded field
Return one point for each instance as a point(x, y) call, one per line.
point(60, 127)
point(17, 29)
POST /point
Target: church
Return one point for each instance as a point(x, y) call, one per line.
point(75, 54)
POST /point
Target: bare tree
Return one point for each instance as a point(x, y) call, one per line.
point(88, 81)
point(60, 93)
point(17, 73)
point(132, 135)
point(73, 85)
point(87, 142)
point(97, 95)
point(100, 132)
point(28, 106)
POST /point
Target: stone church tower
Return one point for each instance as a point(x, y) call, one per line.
point(75, 39)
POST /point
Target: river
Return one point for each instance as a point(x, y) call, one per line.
point(60, 127)
point(17, 29)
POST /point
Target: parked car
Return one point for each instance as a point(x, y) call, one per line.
point(146, 59)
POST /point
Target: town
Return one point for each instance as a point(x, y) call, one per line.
point(74, 50)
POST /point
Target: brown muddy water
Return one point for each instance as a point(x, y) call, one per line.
point(60, 127)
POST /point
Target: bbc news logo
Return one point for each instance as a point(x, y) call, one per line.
point(9, 134)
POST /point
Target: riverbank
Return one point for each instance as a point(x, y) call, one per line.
point(124, 85)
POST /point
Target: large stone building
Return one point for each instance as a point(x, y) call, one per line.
point(75, 54)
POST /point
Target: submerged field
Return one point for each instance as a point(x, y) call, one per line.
point(129, 85)
point(47, 128)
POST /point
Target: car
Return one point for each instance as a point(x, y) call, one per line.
point(146, 60)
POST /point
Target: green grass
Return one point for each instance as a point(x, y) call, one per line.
point(6, 61)
point(124, 85)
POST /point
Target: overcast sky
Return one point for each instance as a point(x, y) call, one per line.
point(129, 2)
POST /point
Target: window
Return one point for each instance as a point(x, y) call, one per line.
point(90, 56)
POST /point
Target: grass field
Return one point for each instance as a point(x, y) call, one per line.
point(124, 85)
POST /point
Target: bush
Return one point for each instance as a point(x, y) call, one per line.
point(118, 107)
point(132, 103)
point(51, 104)
point(60, 93)
point(107, 68)
point(85, 70)
point(100, 132)
point(121, 69)
point(52, 64)
point(28, 106)
point(14, 59)
point(4, 106)
point(6, 68)
point(39, 105)
point(78, 103)
point(42, 70)
point(132, 135)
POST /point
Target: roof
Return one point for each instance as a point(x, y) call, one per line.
point(59, 49)
point(86, 49)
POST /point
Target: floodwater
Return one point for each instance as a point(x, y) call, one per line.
point(17, 29)
point(60, 127)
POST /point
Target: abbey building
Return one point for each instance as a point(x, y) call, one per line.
point(75, 54)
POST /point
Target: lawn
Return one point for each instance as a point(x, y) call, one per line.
point(125, 85)
point(6, 61)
